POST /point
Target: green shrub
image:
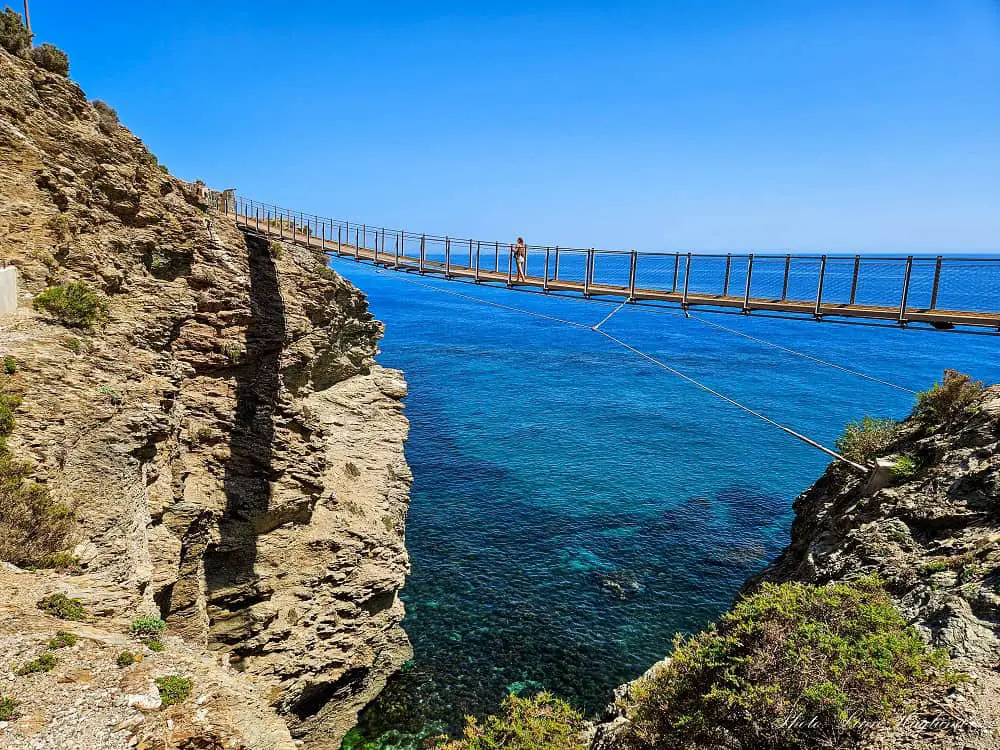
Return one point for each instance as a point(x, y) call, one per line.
point(790, 666)
point(63, 639)
point(114, 396)
point(14, 37)
point(44, 663)
point(943, 402)
point(61, 606)
point(174, 689)
point(155, 645)
point(61, 227)
point(904, 467)
point(8, 708)
point(107, 118)
point(125, 659)
point(867, 439)
point(275, 248)
point(72, 343)
point(35, 529)
point(9, 365)
point(58, 561)
point(8, 403)
point(75, 304)
point(541, 722)
point(51, 58)
point(233, 351)
point(148, 627)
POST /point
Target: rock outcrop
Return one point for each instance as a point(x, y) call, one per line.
point(232, 452)
point(933, 537)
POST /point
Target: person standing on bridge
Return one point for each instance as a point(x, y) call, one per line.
point(520, 252)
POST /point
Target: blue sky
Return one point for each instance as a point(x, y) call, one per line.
point(841, 126)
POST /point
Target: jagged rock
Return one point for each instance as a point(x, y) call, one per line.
point(202, 433)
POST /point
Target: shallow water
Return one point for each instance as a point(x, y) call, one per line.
point(573, 506)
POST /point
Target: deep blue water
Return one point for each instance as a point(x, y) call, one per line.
point(573, 506)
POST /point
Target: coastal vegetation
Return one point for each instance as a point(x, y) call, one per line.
point(75, 305)
point(943, 402)
point(792, 665)
point(540, 722)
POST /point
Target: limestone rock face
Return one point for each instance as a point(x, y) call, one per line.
point(233, 453)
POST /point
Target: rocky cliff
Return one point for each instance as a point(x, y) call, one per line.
point(232, 454)
point(930, 530)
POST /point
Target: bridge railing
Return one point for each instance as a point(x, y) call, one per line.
point(819, 282)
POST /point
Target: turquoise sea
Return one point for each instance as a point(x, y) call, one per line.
point(573, 506)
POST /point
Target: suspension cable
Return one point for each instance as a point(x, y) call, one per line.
point(653, 360)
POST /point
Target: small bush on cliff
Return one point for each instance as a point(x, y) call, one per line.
point(867, 439)
point(44, 663)
point(107, 117)
point(14, 37)
point(75, 304)
point(9, 365)
point(148, 627)
point(541, 722)
point(126, 659)
point(8, 708)
point(51, 58)
point(61, 606)
point(951, 398)
point(174, 689)
point(33, 527)
point(790, 666)
point(63, 639)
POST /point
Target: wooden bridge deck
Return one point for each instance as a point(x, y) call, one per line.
point(944, 319)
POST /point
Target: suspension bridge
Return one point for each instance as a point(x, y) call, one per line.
point(943, 292)
point(878, 289)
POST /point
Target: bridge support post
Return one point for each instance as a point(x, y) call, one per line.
point(687, 278)
point(784, 284)
point(677, 263)
point(340, 244)
point(479, 249)
point(631, 276)
point(322, 241)
point(470, 254)
point(496, 258)
point(937, 283)
point(746, 292)
point(423, 251)
point(854, 278)
point(257, 217)
point(588, 272)
point(818, 311)
point(906, 290)
point(383, 241)
point(725, 280)
point(545, 278)
point(447, 258)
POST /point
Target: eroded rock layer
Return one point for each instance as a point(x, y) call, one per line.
point(233, 453)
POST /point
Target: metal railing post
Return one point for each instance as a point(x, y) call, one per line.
point(257, 217)
point(906, 290)
point(470, 254)
point(725, 280)
point(784, 284)
point(588, 272)
point(447, 257)
point(423, 252)
point(293, 229)
point(677, 263)
point(357, 243)
point(510, 268)
point(818, 311)
point(375, 241)
point(281, 226)
point(687, 277)
point(340, 243)
point(496, 257)
point(854, 279)
point(399, 247)
point(545, 278)
point(479, 250)
point(322, 242)
point(631, 276)
point(383, 240)
point(746, 292)
point(555, 269)
point(937, 283)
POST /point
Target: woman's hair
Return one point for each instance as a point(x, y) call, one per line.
point(520, 240)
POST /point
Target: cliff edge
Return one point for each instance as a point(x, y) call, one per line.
point(230, 455)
